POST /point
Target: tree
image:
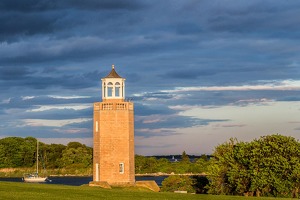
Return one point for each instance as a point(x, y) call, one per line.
point(220, 165)
point(75, 145)
point(139, 163)
point(266, 166)
point(185, 158)
point(53, 155)
point(178, 183)
point(28, 148)
point(81, 157)
point(200, 183)
point(21, 152)
point(15, 152)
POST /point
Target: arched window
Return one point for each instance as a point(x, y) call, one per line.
point(109, 89)
point(117, 89)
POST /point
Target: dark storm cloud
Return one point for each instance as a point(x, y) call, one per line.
point(46, 132)
point(176, 122)
point(22, 25)
point(43, 5)
point(154, 95)
point(37, 132)
point(85, 125)
point(191, 73)
point(145, 110)
point(22, 77)
point(14, 73)
point(36, 102)
point(250, 17)
point(159, 117)
point(77, 49)
point(104, 4)
point(29, 18)
point(63, 48)
point(69, 82)
point(168, 126)
point(290, 98)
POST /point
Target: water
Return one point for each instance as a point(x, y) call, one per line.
point(79, 180)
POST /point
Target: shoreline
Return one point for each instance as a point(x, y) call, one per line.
point(18, 172)
point(171, 174)
point(90, 175)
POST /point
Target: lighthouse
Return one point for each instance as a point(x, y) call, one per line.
point(113, 134)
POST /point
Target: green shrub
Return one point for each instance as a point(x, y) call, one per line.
point(178, 183)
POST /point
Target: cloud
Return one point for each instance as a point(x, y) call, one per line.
point(59, 113)
point(14, 73)
point(154, 146)
point(142, 109)
point(147, 133)
point(250, 17)
point(44, 5)
point(289, 98)
point(72, 131)
point(26, 24)
point(230, 125)
point(68, 97)
point(77, 128)
point(46, 102)
point(294, 122)
point(191, 73)
point(284, 85)
point(41, 82)
point(52, 123)
point(84, 140)
point(167, 125)
point(36, 18)
point(177, 56)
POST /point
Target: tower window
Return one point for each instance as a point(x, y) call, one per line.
point(109, 89)
point(97, 128)
point(121, 168)
point(117, 89)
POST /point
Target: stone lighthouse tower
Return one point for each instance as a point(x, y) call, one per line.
point(113, 159)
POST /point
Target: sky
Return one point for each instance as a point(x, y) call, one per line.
point(198, 71)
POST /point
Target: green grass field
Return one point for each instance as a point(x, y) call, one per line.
point(10, 190)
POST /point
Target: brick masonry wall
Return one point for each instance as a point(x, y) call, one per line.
point(114, 141)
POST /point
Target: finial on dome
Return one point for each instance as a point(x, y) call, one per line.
point(113, 66)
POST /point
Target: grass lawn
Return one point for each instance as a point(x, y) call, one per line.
point(12, 190)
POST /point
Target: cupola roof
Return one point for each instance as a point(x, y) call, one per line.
point(113, 73)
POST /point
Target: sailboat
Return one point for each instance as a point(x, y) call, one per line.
point(34, 177)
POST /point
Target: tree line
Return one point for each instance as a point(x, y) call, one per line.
point(148, 165)
point(267, 166)
point(16, 152)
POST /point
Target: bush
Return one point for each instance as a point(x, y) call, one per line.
point(178, 183)
point(268, 166)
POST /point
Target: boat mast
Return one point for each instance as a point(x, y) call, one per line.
point(37, 156)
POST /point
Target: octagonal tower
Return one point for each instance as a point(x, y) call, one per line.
point(113, 156)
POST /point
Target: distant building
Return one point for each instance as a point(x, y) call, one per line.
point(113, 156)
